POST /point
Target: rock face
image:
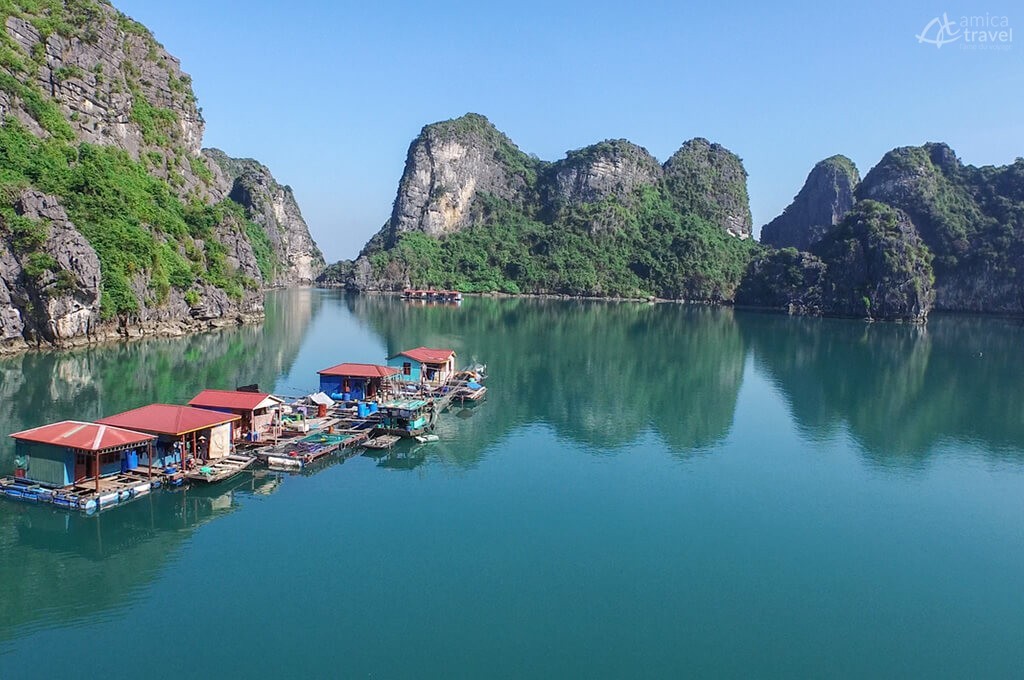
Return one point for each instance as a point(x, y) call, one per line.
point(116, 86)
point(878, 266)
point(823, 201)
point(464, 177)
point(448, 165)
point(589, 175)
point(786, 280)
point(709, 180)
point(47, 300)
point(298, 260)
point(970, 218)
point(138, 235)
point(872, 265)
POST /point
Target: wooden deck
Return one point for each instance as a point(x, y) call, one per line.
point(220, 469)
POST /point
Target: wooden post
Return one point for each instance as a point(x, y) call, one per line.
point(150, 449)
point(195, 453)
point(96, 471)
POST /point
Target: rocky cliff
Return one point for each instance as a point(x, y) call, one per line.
point(447, 166)
point(611, 169)
point(475, 212)
point(709, 180)
point(296, 259)
point(872, 265)
point(112, 221)
point(825, 198)
point(969, 218)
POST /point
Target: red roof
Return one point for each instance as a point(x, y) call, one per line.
point(168, 419)
point(359, 371)
point(73, 434)
point(230, 399)
point(428, 355)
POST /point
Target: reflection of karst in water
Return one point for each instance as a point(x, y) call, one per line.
point(98, 381)
point(69, 566)
point(599, 373)
point(900, 389)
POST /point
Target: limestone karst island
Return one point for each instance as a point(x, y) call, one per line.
point(416, 340)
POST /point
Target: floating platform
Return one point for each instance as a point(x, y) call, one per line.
point(298, 454)
point(220, 469)
point(114, 490)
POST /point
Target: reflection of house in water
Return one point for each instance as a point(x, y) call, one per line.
point(67, 567)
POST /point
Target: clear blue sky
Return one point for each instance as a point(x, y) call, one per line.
point(329, 94)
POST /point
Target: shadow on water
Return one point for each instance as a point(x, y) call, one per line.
point(601, 374)
point(900, 389)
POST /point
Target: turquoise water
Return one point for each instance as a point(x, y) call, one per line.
point(648, 491)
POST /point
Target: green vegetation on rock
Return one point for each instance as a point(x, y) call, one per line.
point(132, 219)
point(652, 250)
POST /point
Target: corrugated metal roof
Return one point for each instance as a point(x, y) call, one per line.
point(359, 371)
point(168, 419)
point(73, 434)
point(427, 355)
point(230, 399)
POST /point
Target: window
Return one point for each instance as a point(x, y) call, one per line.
point(407, 368)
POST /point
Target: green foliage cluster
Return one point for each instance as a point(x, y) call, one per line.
point(707, 180)
point(44, 111)
point(66, 18)
point(971, 218)
point(648, 248)
point(132, 219)
point(158, 125)
point(200, 169)
point(877, 265)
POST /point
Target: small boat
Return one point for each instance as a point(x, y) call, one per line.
point(384, 441)
point(220, 469)
point(424, 438)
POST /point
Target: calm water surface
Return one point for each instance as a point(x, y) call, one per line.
point(649, 491)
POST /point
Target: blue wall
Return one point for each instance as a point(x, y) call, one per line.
point(331, 384)
point(399, 361)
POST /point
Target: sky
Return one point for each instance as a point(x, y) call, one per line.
point(330, 94)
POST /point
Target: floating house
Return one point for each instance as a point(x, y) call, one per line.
point(406, 417)
point(424, 365)
point(357, 381)
point(259, 412)
point(431, 295)
point(180, 430)
point(75, 453)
